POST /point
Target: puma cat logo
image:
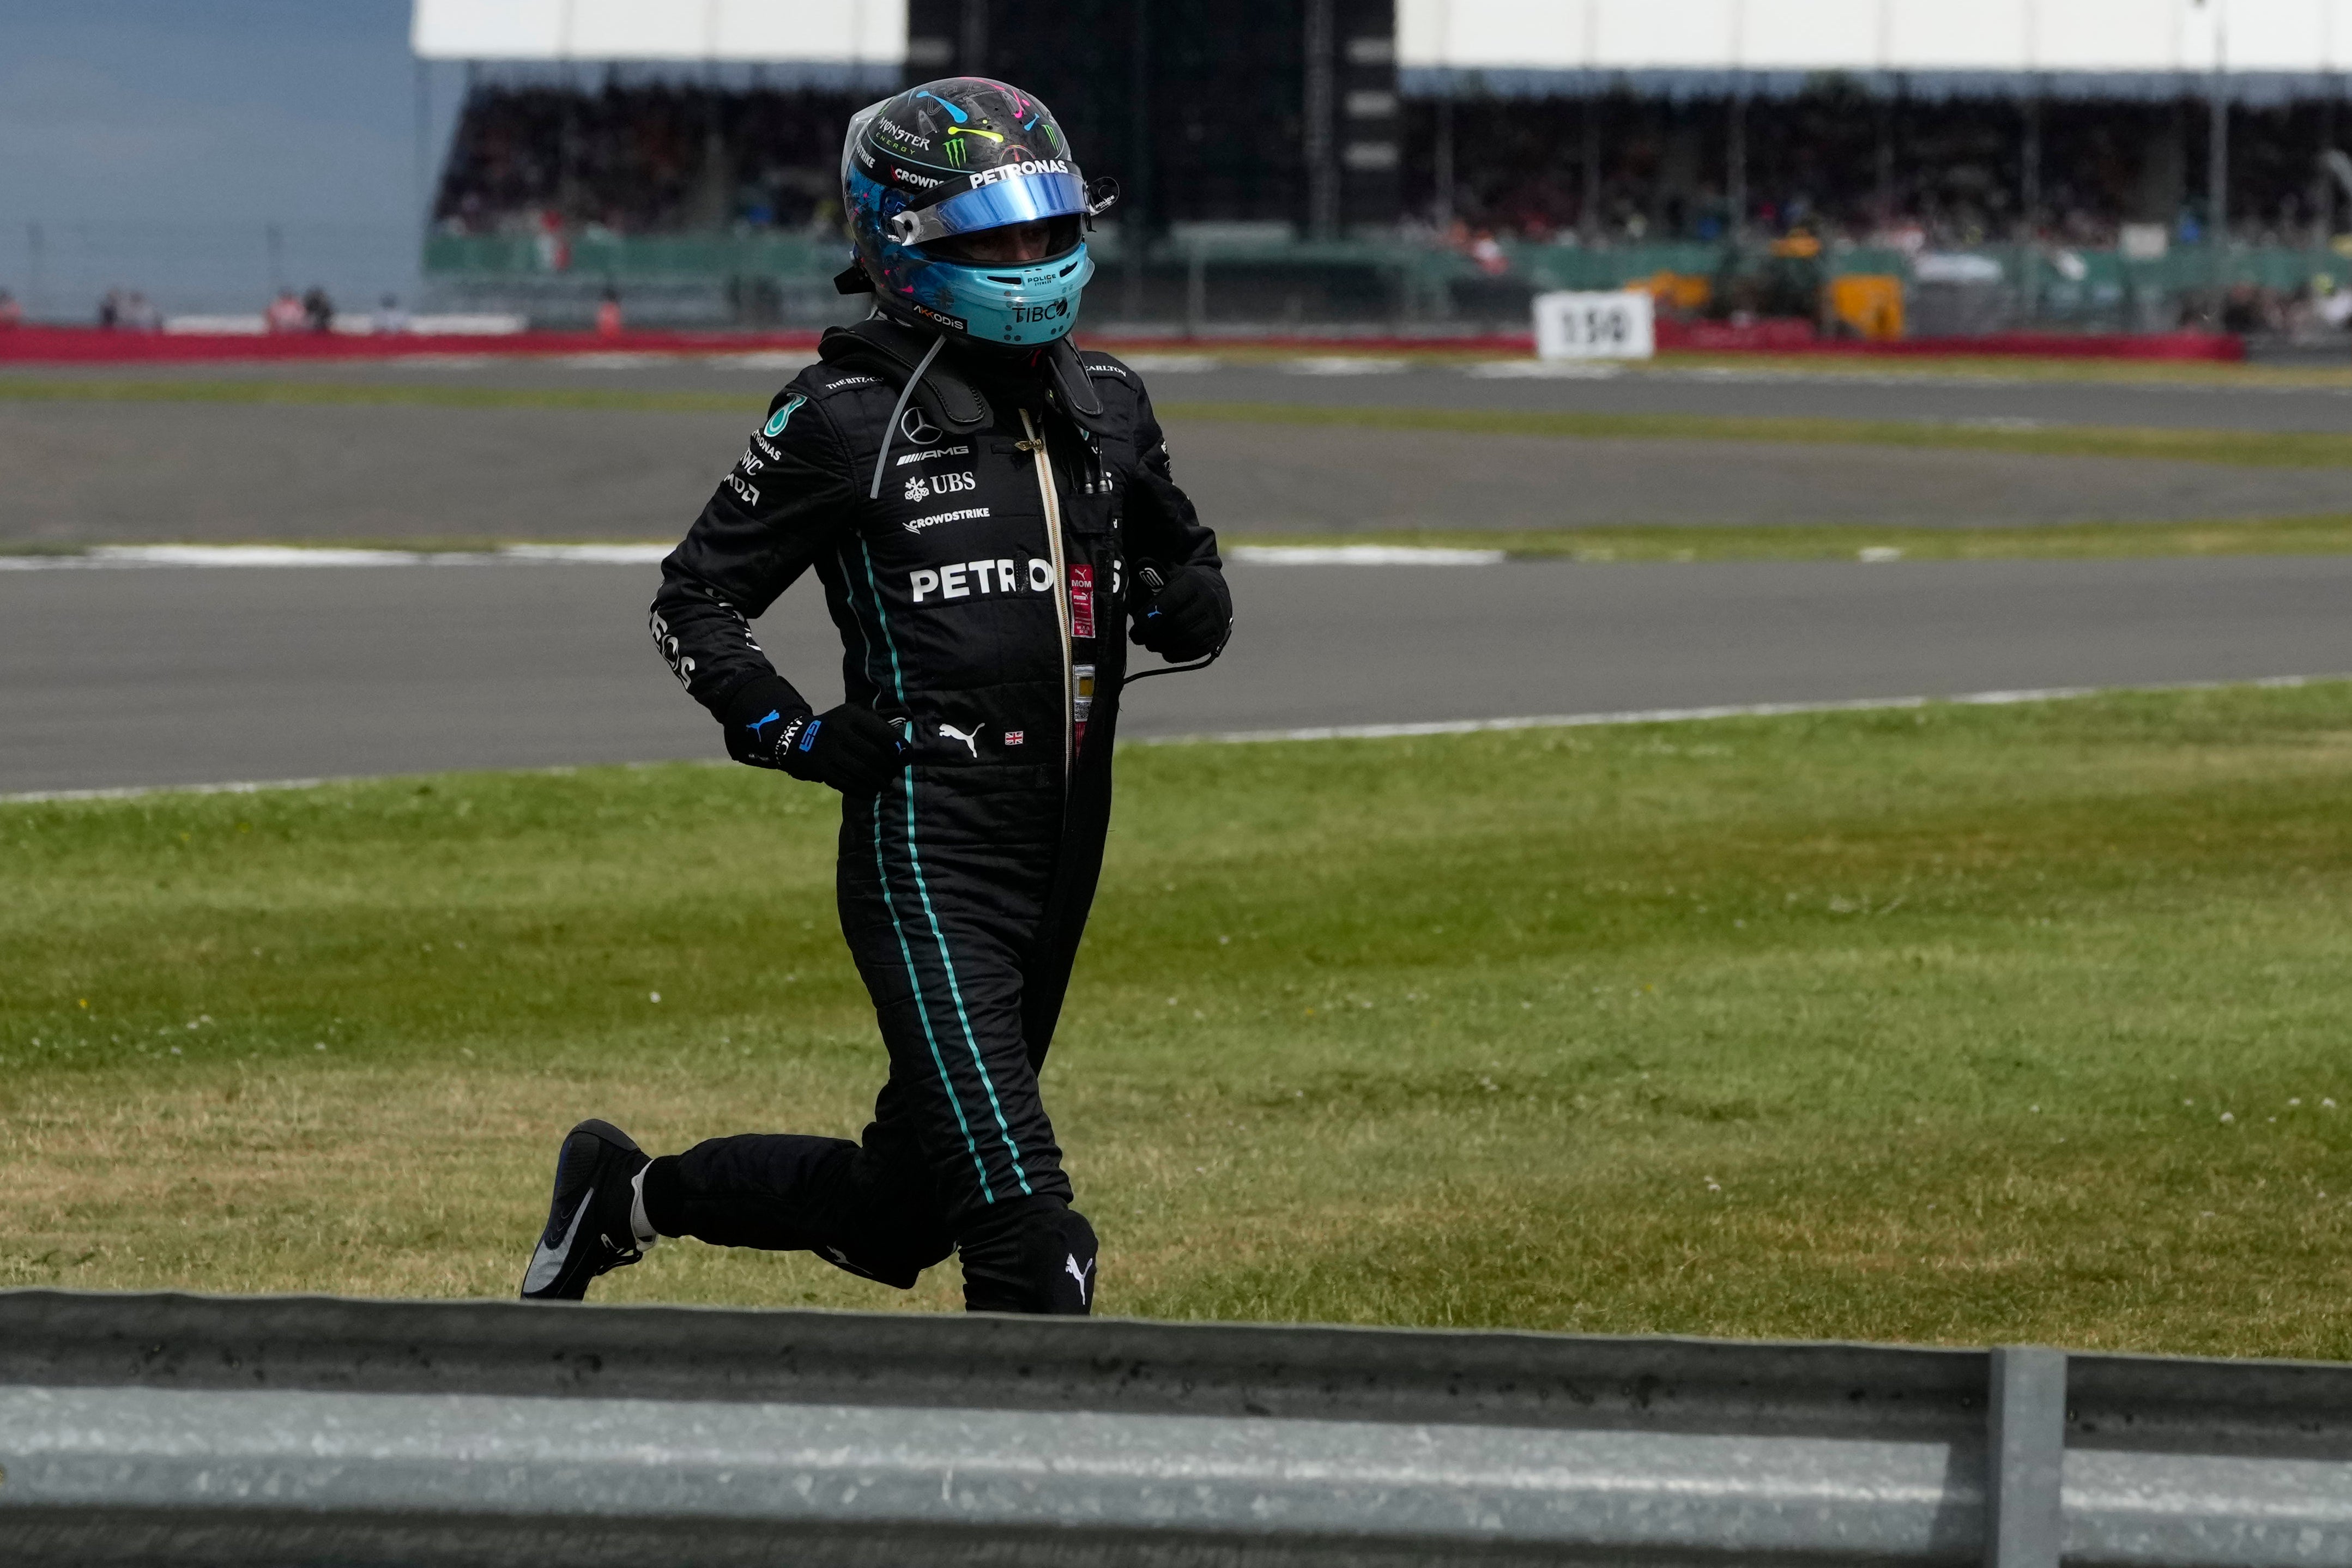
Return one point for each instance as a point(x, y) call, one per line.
point(971, 739)
point(1070, 1266)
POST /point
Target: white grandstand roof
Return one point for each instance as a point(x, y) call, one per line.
point(859, 31)
point(2063, 35)
point(2058, 36)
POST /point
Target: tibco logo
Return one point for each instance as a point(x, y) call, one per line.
point(967, 578)
point(1030, 314)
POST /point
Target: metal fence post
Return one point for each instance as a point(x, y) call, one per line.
point(2025, 1450)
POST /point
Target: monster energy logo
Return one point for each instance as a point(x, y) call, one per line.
point(955, 148)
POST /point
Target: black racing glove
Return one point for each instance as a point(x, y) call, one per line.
point(854, 750)
point(1185, 620)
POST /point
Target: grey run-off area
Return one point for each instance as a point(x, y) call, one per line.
point(97, 470)
point(130, 676)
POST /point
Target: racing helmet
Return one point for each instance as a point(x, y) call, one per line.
point(922, 172)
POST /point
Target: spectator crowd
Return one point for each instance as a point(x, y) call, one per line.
point(658, 157)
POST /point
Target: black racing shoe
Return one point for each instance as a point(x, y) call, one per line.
point(588, 1229)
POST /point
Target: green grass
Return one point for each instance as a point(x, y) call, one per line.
point(2079, 369)
point(45, 389)
point(2241, 448)
point(2244, 448)
point(1959, 1024)
point(1846, 541)
point(2050, 368)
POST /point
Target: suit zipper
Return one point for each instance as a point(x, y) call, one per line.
point(1035, 446)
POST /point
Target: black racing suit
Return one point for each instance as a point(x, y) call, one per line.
point(981, 599)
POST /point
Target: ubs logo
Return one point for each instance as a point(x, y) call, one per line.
point(923, 487)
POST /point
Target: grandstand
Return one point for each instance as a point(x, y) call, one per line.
point(2123, 162)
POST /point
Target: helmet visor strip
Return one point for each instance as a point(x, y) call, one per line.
point(1024, 198)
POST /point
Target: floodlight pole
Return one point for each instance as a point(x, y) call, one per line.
point(2217, 148)
point(1444, 158)
point(973, 43)
point(1135, 220)
point(1590, 218)
point(1318, 94)
point(2030, 175)
point(1736, 158)
point(2323, 192)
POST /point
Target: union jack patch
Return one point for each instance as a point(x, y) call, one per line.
point(1014, 736)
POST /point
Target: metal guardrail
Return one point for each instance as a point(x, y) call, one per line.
point(283, 1429)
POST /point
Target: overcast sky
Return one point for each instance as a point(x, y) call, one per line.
point(207, 108)
point(126, 122)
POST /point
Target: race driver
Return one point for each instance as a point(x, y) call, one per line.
point(988, 509)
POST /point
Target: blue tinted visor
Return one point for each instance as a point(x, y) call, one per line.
point(1022, 199)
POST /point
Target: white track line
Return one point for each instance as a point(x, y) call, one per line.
point(141, 791)
point(1362, 555)
point(1332, 732)
point(299, 556)
point(1342, 365)
point(1691, 714)
point(1542, 369)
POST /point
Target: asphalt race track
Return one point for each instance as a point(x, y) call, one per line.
point(127, 677)
point(1835, 389)
point(88, 472)
point(138, 675)
point(85, 473)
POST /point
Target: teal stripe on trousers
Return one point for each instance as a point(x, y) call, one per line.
point(947, 960)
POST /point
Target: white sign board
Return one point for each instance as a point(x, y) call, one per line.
point(1596, 326)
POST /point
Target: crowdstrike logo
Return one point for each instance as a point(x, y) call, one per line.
point(917, 525)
